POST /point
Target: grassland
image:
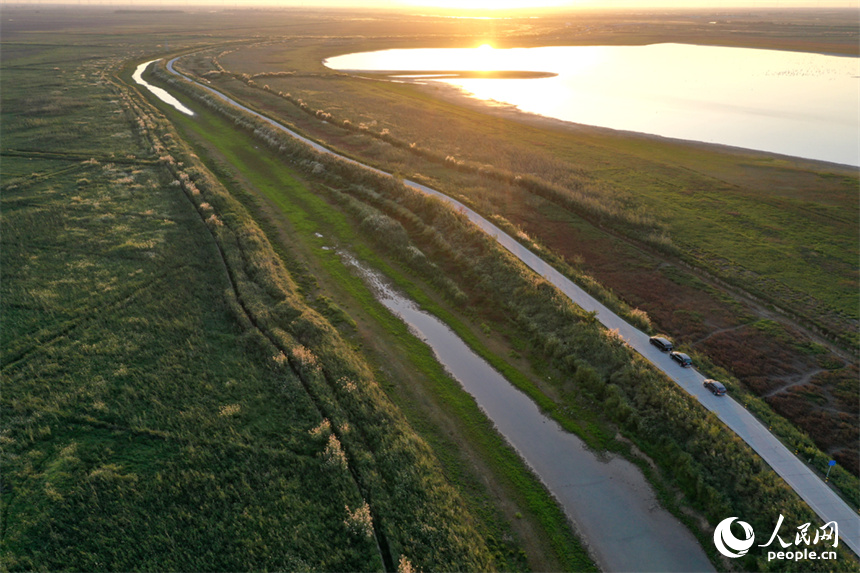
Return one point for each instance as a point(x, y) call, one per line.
point(170, 399)
point(133, 401)
point(174, 337)
point(708, 242)
point(597, 385)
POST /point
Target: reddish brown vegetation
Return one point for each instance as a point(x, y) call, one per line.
point(812, 388)
point(763, 362)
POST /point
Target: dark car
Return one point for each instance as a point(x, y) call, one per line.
point(662, 343)
point(681, 358)
point(716, 387)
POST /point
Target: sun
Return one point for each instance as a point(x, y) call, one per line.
point(487, 5)
point(484, 58)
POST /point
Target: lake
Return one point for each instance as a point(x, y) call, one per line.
point(792, 103)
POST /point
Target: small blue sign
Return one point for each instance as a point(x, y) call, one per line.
point(832, 463)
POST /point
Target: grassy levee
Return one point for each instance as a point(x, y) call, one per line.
point(307, 213)
point(717, 239)
point(594, 371)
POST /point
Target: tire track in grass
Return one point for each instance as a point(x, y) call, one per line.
point(48, 336)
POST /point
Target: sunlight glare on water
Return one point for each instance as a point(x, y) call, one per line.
point(798, 104)
point(161, 94)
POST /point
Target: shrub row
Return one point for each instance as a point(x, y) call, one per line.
point(414, 512)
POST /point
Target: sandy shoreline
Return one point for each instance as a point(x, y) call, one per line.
point(453, 94)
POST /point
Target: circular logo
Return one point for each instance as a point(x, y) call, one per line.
point(728, 544)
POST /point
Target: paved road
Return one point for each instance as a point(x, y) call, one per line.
point(819, 496)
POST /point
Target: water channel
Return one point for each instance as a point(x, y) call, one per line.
point(161, 94)
point(792, 103)
point(607, 497)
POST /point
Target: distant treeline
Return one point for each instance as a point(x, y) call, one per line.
point(153, 11)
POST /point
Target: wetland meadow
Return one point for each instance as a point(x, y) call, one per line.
point(205, 364)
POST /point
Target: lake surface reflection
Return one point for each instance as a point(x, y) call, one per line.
point(799, 104)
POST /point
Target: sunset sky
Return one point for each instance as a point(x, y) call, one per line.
point(488, 5)
point(507, 4)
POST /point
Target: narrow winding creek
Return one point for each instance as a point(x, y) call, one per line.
point(161, 94)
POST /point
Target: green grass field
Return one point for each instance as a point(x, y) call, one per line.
point(134, 403)
point(191, 382)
